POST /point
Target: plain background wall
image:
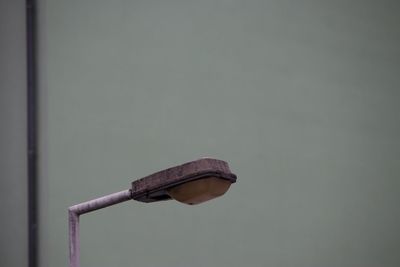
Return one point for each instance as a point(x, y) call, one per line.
point(300, 97)
point(13, 179)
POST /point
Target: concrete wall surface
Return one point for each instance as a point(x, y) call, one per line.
point(13, 178)
point(300, 97)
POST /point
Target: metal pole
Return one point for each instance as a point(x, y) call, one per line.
point(85, 207)
point(32, 124)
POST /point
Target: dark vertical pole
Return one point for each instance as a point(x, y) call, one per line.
point(32, 132)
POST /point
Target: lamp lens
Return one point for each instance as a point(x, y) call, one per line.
point(198, 191)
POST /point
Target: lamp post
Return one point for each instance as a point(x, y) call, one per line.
point(190, 183)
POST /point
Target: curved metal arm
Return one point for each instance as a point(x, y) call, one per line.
point(85, 207)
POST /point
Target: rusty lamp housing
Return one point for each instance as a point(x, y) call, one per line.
point(190, 183)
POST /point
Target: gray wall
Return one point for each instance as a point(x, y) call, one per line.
point(13, 208)
point(300, 97)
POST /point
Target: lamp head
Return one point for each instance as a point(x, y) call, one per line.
point(191, 183)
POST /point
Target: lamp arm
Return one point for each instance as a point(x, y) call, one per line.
point(75, 211)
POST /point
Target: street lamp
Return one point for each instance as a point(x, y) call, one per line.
point(190, 183)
